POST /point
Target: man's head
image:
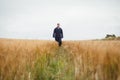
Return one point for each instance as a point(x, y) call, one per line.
point(58, 25)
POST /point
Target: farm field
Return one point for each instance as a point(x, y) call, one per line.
point(74, 60)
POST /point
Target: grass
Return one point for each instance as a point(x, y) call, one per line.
point(44, 60)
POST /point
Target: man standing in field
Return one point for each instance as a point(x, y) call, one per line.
point(58, 34)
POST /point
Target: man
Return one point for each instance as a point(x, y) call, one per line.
point(58, 34)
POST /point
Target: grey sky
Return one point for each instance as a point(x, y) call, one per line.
point(79, 19)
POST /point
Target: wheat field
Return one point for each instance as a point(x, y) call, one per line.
point(74, 60)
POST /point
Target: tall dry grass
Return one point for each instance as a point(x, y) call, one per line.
point(44, 60)
point(96, 60)
point(34, 60)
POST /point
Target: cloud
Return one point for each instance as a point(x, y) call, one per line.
point(37, 19)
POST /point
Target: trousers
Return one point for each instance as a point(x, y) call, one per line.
point(59, 40)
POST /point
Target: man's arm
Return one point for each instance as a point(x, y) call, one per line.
point(54, 34)
point(61, 33)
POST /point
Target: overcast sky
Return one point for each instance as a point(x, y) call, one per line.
point(79, 19)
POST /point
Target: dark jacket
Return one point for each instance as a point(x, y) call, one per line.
point(58, 33)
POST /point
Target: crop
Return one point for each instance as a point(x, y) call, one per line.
point(45, 60)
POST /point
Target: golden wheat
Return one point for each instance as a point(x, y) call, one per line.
point(88, 60)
